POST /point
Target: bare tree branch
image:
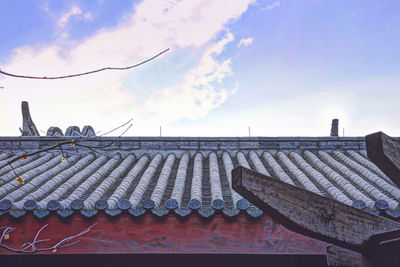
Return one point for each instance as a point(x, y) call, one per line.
point(6, 232)
point(116, 128)
point(32, 245)
point(73, 142)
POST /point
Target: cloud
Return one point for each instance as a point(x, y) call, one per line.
point(245, 42)
point(63, 20)
point(101, 99)
point(273, 5)
point(353, 102)
point(88, 16)
point(201, 91)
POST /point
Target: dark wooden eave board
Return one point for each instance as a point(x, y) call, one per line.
point(313, 215)
point(384, 151)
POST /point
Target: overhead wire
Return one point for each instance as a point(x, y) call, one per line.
point(83, 73)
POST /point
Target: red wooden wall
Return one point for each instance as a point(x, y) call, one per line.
point(126, 234)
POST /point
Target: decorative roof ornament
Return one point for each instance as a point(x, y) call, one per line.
point(28, 126)
point(54, 131)
point(335, 128)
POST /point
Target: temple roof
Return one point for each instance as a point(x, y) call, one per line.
point(182, 175)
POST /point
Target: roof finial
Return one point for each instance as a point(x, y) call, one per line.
point(28, 126)
point(335, 128)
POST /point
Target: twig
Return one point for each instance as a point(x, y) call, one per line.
point(61, 244)
point(67, 239)
point(95, 151)
point(74, 141)
point(42, 150)
point(84, 73)
point(28, 244)
point(70, 244)
point(109, 144)
point(16, 175)
point(95, 135)
point(36, 236)
point(62, 153)
point(7, 231)
point(116, 128)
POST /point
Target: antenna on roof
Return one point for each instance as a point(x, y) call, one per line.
point(249, 132)
point(160, 131)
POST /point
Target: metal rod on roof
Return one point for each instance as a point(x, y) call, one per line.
point(160, 131)
point(343, 132)
point(249, 132)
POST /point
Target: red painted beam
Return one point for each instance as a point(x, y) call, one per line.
point(125, 234)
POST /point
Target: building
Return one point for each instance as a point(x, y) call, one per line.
point(170, 200)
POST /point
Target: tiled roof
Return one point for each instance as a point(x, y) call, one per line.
point(184, 175)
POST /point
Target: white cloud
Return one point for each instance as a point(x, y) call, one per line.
point(354, 102)
point(273, 5)
point(100, 99)
point(245, 42)
point(88, 16)
point(200, 92)
point(63, 20)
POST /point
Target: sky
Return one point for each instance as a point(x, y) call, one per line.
point(282, 68)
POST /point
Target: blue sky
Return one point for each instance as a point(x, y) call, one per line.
point(283, 68)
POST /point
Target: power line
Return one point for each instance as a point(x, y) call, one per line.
point(84, 73)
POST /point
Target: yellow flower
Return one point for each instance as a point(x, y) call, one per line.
point(23, 158)
point(7, 236)
point(72, 144)
point(63, 159)
point(20, 180)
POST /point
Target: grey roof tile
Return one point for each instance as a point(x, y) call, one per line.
point(183, 180)
point(161, 185)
